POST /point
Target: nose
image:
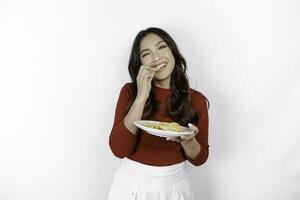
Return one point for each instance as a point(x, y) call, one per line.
point(156, 58)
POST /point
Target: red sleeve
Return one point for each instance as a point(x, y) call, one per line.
point(202, 135)
point(121, 141)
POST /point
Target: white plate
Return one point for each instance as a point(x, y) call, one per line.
point(161, 133)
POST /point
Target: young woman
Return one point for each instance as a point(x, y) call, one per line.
point(152, 167)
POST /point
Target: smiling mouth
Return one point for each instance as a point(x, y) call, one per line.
point(161, 65)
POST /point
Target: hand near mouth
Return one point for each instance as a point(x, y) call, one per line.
point(158, 67)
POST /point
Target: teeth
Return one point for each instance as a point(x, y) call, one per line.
point(162, 65)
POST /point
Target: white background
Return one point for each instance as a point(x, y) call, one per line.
point(64, 62)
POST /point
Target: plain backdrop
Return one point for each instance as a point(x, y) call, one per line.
point(63, 63)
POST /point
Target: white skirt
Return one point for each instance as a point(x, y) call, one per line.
point(137, 181)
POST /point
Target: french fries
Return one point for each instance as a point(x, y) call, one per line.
point(172, 126)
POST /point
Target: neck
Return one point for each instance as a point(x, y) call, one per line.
point(163, 83)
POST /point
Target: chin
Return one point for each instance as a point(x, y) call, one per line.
point(161, 78)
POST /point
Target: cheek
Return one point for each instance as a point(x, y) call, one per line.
point(171, 68)
point(146, 61)
point(168, 54)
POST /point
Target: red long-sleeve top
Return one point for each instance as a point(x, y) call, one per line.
point(153, 150)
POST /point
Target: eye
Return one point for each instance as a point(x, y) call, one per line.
point(145, 54)
point(163, 46)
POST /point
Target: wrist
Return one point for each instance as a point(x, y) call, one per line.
point(141, 99)
point(187, 141)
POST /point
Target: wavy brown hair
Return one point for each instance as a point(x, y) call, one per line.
point(179, 105)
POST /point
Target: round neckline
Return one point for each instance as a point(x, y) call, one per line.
point(161, 94)
point(160, 88)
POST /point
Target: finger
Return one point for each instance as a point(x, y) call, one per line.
point(175, 140)
point(145, 75)
point(151, 69)
point(142, 76)
point(179, 139)
point(148, 69)
point(188, 137)
point(171, 139)
point(141, 71)
point(152, 74)
point(192, 126)
point(155, 69)
point(145, 67)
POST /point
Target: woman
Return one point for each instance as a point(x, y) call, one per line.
point(154, 167)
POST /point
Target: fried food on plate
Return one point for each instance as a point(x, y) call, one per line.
point(167, 126)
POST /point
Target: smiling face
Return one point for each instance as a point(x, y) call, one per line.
point(155, 51)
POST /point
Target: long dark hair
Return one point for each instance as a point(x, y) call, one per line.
point(179, 105)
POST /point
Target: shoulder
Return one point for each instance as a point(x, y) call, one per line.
point(198, 98)
point(126, 86)
point(126, 89)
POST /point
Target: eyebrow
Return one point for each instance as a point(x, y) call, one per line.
point(155, 45)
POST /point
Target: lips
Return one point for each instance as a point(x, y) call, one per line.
point(161, 65)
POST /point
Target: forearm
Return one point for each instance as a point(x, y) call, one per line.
point(135, 113)
point(191, 148)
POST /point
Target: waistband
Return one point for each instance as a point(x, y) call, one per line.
point(143, 177)
point(153, 171)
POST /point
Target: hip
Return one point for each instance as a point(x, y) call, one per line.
point(133, 179)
